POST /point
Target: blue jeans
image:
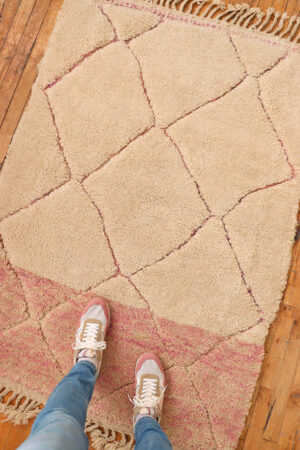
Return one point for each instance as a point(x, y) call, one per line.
point(60, 424)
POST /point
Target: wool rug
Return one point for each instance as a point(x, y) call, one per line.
point(157, 165)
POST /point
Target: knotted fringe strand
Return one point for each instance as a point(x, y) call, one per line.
point(242, 15)
point(15, 411)
point(104, 438)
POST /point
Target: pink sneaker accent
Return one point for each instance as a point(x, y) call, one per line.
point(91, 332)
point(150, 386)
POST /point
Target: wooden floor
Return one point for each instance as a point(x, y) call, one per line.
point(274, 419)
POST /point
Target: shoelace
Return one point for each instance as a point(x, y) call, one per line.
point(147, 399)
point(89, 339)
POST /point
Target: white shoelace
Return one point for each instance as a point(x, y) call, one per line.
point(89, 339)
point(147, 399)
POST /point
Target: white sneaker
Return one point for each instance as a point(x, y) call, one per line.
point(150, 386)
point(90, 335)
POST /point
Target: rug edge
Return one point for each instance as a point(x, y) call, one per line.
point(241, 16)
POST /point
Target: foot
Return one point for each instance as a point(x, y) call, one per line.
point(150, 386)
point(90, 335)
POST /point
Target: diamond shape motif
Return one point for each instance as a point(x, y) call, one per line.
point(228, 168)
point(129, 22)
point(257, 54)
point(254, 233)
point(282, 101)
point(61, 238)
point(188, 285)
point(34, 160)
point(61, 53)
point(149, 202)
point(183, 67)
point(111, 110)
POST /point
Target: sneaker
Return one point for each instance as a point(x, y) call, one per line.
point(150, 386)
point(93, 326)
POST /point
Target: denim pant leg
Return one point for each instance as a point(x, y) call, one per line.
point(60, 424)
point(150, 436)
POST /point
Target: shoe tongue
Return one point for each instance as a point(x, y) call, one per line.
point(87, 353)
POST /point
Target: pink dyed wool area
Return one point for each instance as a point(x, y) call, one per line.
point(199, 365)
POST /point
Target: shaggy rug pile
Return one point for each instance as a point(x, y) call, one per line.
point(157, 164)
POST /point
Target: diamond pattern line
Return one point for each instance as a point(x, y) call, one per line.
point(282, 58)
point(106, 395)
point(78, 63)
point(249, 290)
point(49, 348)
point(195, 231)
point(207, 102)
point(161, 20)
point(203, 406)
point(104, 230)
point(142, 81)
point(151, 313)
point(41, 197)
point(100, 7)
point(65, 161)
point(188, 170)
point(276, 183)
point(224, 339)
point(118, 152)
point(57, 134)
point(236, 52)
point(293, 170)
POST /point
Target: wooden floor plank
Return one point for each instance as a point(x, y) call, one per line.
point(260, 414)
point(7, 15)
point(14, 35)
point(289, 429)
point(21, 55)
point(292, 295)
point(29, 74)
point(17, 435)
point(274, 358)
point(284, 385)
point(5, 428)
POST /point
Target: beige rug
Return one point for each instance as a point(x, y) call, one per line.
point(157, 164)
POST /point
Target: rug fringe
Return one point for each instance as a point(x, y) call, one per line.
point(15, 411)
point(271, 22)
point(104, 438)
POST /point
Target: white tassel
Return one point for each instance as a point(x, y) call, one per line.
point(281, 24)
point(241, 13)
point(295, 30)
point(268, 16)
point(199, 7)
point(260, 17)
point(255, 12)
point(230, 9)
point(182, 5)
point(273, 24)
point(290, 26)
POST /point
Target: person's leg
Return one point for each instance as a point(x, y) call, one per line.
point(60, 424)
point(150, 436)
point(150, 386)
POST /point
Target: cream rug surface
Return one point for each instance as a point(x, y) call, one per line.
point(157, 164)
